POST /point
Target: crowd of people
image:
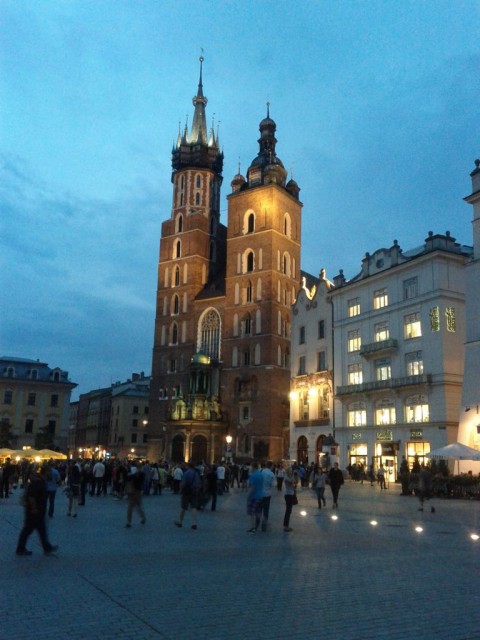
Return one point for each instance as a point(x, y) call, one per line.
point(198, 487)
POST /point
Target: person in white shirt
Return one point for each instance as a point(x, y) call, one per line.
point(98, 472)
point(268, 482)
point(177, 478)
point(221, 478)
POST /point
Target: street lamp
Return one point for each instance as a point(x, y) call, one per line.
point(228, 448)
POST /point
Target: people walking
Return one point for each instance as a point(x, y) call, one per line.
point(381, 477)
point(254, 497)
point(268, 482)
point(424, 487)
point(318, 484)
point(335, 480)
point(189, 489)
point(291, 481)
point(35, 501)
point(133, 489)
point(279, 474)
point(74, 477)
point(98, 472)
point(53, 480)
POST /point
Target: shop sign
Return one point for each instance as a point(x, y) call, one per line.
point(416, 434)
point(386, 434)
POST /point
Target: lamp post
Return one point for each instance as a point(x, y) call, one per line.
point(228, 448)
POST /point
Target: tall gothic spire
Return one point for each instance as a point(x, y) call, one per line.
point(199, 125)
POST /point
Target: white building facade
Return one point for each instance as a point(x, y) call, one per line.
point(311, 395)
point(398, 332)
point(469, 427)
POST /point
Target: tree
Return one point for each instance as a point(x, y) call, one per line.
point(6, 435)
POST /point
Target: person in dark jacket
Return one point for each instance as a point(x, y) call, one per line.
point(335, 480)
point(133, 488)
point(35, 501)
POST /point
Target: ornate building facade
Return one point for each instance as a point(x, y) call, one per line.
point(221, 354)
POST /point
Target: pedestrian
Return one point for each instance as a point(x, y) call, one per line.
point(8, 471)
point(189, 489)
point(290, 479)
point(211, 481)
point(221, 478)
point(52, 482)
point(254, 497)
point(268, 482)
point(381, 477)
point(424, 486)
point(133, 489)
point(74, 478)
point(318, 484)
point(177, 478)
point(98, 473)
point(155, 479)
point(35, 502)
point(335, 480)
point(279, 473)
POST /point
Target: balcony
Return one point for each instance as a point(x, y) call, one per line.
point(316, 422)
point(380, 385)
point(378, 348)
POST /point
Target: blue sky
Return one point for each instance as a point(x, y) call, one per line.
point(376, 105)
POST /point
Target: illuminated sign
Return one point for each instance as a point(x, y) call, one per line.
point(384, 435)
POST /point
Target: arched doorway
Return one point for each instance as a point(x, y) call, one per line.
point(302, 450)
point(178, 449)
point(199, 449)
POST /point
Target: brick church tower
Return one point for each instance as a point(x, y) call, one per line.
point(263, 278)
point(220, 362)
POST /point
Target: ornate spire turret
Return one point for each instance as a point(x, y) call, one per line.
point(198, 147)
point(199, 126)
point(267, 166)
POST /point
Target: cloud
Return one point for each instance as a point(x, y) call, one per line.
point(79, 275)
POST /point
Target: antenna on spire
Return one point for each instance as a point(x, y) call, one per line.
point(291, 171)
point(239, 165)
point(268, 108)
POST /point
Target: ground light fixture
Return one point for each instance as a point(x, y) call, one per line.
point(303, 513)
point(334, 517)
point(474, 537)
point(419, 529)
point(373, 523)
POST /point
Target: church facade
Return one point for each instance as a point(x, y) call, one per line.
point(221, 356)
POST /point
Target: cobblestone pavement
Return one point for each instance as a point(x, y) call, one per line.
point(345, 577)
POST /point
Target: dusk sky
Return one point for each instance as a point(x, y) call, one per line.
point(377, 108)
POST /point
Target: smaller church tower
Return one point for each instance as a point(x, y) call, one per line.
point(469, 423)
point(263, 279)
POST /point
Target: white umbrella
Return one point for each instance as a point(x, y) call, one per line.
point(454, 451)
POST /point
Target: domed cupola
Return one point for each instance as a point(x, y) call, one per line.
point(267, 167)
point(238, 181)
point(293, 188)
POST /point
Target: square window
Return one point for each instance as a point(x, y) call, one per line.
point(354, 340)
point(321, 329)
point(410, 288)
point(354, 307)
point(381, 331)
point(412, 326)
point(380, 298)
point(301, 366)
point(322, 361)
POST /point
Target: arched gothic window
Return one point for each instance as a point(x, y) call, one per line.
point(209, 334)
